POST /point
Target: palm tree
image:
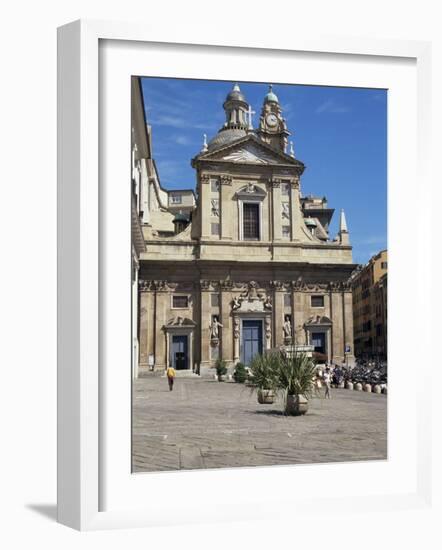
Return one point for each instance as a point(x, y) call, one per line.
point(295, 379)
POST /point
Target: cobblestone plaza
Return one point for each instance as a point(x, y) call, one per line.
point(207, 424)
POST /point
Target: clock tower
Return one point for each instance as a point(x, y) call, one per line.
point(272, 126)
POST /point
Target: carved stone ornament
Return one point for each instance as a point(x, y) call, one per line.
point(227, 284)
point(279, 286)
point(145, 286)
point(226, 180)
point(205, 178)
point(285, 210)
point(275, 182)
point(159, 285)
point(235, 327)
point(207, 285)
point(268, 328)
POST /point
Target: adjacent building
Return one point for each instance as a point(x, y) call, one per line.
point(370, 308)
point(247, 263)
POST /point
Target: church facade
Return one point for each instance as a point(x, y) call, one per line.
point(247, 263)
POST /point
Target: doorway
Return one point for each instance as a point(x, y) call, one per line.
point(179, 351)
point(251, 340)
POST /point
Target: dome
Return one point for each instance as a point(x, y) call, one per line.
point(224, 137)
point(236, 95)
point(270, 96)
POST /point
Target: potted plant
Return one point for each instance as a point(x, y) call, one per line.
point(296, 375)
point(240, 373)
point(221, 369)
point(263, 376)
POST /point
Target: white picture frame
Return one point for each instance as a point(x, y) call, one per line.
point(81, 447)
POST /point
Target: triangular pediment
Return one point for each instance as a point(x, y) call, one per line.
point(250, 150)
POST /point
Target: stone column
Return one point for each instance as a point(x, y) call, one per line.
point(277, 209)
point(278, 313)
point(226, 321)
point(298, 317)
point(226, 208)
point(162, 298)
point(205, 321)
point(267, 332)
point(236, 335)
point(337, 326)
point(144, 301)
point(296, 219)
point(205, 206)
point(348, 324)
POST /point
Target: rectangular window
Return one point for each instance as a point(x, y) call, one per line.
point(285, 188)
point(286, 231)
point(287, 300)
point(317, 301)
point(180, 302)
point(175, 199)
point(214, 185)
point(384, 265)
point(215, 228)
point(251, 221)
point(214, 300)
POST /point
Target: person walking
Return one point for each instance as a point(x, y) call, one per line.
point(327, 382)
point(170, 373)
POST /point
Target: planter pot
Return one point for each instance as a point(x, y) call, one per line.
point(358, 386)
point(384, 390)
point(377, 389)
point(367, 388)
point(349, 385)
point(296, 405)
point(266, 397)
point(341, 385)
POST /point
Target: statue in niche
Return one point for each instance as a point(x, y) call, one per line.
point(287, 327)
point(214, 328)
point(285, 210)
point(267, 303)
point(215, 207)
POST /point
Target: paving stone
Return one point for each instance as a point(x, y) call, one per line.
point(207, 424)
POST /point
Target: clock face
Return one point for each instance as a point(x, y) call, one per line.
point(271, 120)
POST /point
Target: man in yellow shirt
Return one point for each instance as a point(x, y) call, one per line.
point(170, 373)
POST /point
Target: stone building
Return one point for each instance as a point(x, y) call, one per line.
point(370, 307)
point(250, 265)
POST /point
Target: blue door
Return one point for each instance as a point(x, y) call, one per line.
point(251, 340)
point(179, 352)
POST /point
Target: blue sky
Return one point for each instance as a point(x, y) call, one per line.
point(339, 133)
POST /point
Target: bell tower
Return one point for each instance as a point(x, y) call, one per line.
point(236, 108)
point(272, 126)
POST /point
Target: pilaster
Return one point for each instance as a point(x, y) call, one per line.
point(205, 207)
point(278, 313)
point(296, 218)
point(226, 207)
point(162, 298)
point(205, 320)
point(276, 205)
point(337, 318)
point(226, 321)
point(144, 327)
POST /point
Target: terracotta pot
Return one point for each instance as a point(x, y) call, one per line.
point(296, 405)
point(266, 397)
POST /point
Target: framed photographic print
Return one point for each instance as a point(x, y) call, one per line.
point(226, 280)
